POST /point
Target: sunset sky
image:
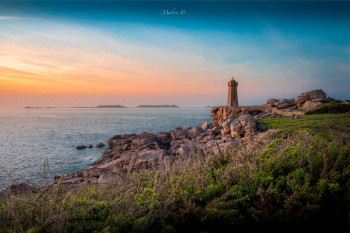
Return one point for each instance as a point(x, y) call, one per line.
point(89, 53)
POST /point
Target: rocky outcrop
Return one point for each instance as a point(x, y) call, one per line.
point(242, 126)
point(312, 99)
point(309, 105)
point(195, 132)
point(143, 151)
point(281, 104)
point(223, 113)
point(206, 125)
point(290, 108)
point(178, 133)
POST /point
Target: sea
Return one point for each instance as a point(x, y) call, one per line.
point(38, 143)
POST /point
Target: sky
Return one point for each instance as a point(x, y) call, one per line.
point(86, 53)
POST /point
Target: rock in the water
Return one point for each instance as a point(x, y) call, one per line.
point(90, 146)
point(81, 147)
point(100, 145)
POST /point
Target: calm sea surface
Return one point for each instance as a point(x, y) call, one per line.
point(28, 137)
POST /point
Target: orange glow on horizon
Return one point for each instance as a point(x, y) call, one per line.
point(86, 73)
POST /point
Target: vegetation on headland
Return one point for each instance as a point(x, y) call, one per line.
point(333, 107)
point(293, 179)
point(324, 125)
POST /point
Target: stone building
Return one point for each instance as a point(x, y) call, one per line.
point(232, 99)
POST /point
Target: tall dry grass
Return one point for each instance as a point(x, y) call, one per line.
point(265, 184)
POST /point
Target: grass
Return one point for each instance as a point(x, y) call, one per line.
point(332, 107)
point(324, 125)
point(273, 183)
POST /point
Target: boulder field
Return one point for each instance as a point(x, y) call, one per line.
point(137, 151)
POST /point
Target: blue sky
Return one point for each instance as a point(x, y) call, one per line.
point(130, 51)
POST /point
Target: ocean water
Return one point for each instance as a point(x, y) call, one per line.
point(29, 137)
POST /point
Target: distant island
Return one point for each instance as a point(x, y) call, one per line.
point(110, 106)
point(158, 106)
point(99, 106)
point(38, 107)
point(118, 106)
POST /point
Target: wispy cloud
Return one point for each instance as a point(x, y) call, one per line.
point(9, 36)
point(12, 18)
point(67, 58)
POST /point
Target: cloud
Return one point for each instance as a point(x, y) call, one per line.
point(73, 59)
point(9, 36)
point(12, 18)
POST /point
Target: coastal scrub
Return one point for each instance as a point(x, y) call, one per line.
point(292, 179)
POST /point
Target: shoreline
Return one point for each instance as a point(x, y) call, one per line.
point(146, 150)
point(229, 128)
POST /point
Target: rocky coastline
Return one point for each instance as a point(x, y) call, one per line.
point(230, 128)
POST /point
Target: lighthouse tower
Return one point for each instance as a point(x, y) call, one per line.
point(232, 99)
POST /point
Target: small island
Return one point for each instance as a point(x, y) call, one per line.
point(38, 107)
point(110, 106)
point(158, 106)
